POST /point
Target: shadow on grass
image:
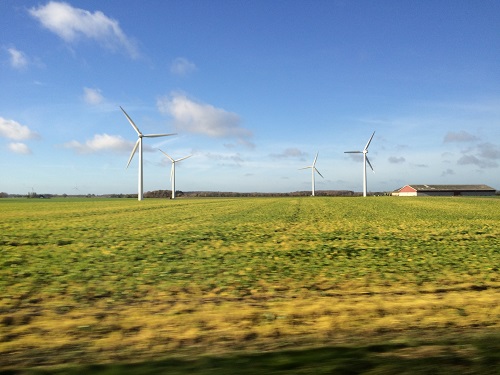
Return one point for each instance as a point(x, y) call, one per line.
point(481, 357)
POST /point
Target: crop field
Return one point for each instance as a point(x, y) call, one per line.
point(113, 281)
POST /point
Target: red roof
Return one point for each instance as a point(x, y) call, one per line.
point(407, 189)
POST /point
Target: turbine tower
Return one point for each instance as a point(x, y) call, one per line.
point(172, 171)
point(313, 169)
point(138, 144)
point(365, 160)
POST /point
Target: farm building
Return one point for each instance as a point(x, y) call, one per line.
point(444, 190)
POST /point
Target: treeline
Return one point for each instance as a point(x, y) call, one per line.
point(166, 194)
point(194, 194)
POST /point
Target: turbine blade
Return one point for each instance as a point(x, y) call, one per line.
point(318, 172)
point(316, 158)
point(185, 157)
point(131, 122)
point(133, 152)
point(167, 155)
point(368, 144)
point(370, 164)
point(305, 168)
point(353, 152)
point(158, 135)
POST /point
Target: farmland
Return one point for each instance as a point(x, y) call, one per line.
point(112, 281)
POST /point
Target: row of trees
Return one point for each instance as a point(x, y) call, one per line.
point(168, 194)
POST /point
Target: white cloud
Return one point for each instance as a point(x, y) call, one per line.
point(19, 148)
point(13, 130)
point(201, 118)
point(92, 96)
point(18, 59)
point(225, 159)
point(71, 23)
point(101, 142)
point(236, 157)
point(182, 66)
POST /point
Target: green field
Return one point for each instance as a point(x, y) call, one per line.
point(107, 282)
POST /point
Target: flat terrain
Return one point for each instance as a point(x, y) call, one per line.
point(116, 281)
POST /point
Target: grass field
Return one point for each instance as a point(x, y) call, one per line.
point(247, 279)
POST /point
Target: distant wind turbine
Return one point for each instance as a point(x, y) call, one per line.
point(365, 160)
point(313, 169)
point(172, 171)
point(139, 144)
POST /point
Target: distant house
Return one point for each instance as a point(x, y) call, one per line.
point(444, 190)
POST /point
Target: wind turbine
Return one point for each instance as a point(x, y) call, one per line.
point(313, 169)
point(365, 160)
point(172, 171)
point(139, 144)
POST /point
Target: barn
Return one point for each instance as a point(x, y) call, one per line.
point(444, 190)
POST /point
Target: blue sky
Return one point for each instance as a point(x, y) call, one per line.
point(253, 90)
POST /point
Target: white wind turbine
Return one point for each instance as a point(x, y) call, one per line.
point(313, 169)
point(365, 160)
point(138, 144)
point(172, 171)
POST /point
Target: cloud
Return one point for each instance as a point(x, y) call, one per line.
point(289, 153)
point(18, 59)
point(462, 136)
point(201, 118)
point(396, 160)
point(217, 156)
point(19, 148)
point(227, 160)
point(101, 142)
point(71, 24)
point(489, 151)
point(474, 160)
point(92, 96)
point(182, 67)
point(448, 172)
point(13, 130)
point(484, 155)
